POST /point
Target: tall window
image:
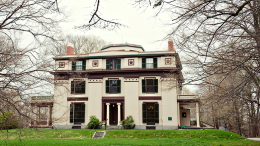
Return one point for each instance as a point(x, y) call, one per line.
point(77, 87)
point(149, 63)
point(79, 65)
point(113, 86)
point(113, 64)
point(149, 85)
point(150, 113)
point(77, 113)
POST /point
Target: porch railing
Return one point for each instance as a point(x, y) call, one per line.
point(187, 97)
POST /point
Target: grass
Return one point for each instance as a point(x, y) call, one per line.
point(122, 137)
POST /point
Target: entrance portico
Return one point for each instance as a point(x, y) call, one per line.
point(113, 114)
point(112, 110)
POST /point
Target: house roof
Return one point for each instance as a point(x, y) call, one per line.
point(122, 45)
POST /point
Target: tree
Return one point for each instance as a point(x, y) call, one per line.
point(82, 44)
point(25, 66)
point(97, 21)
point(8, 120)
point(220, 40)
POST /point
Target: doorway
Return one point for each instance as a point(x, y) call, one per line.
point(113, 110)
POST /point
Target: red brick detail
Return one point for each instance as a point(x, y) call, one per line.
point(170, 46)
point(70, 50)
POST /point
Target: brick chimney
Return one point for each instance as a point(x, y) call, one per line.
point(70, 49)
point(170, 45)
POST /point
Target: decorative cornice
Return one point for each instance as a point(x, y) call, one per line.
point(82, 57)
point(95, 81)
point(131, 79)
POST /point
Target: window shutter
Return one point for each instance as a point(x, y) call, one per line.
point(82, 113)
point(154, 62)
point(118, 64)
point(155, 85)
point(156, 112)
point(71, 113)
point(107, 86)
point(107, 64)
point(118, 86)
point(84, 65)
point(144, 113)
point(72, 87)
point(143, 63)
point(83, 84)
point(143, 86)
point(73, 67)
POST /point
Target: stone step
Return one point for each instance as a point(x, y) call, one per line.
point(111, 127)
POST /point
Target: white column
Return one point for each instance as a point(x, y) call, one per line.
point(119, 114)
point(107, 113)
point(31, 115)
point(197, 114)
point(39, 115)
point(178, 110)
point(48, 115)
point(36, 114)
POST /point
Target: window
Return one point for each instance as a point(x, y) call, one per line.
point(149, 85)
point(149, 63)
point(150, 113)
point(113, 86)
point(77, 113)
point(79, 65)
point(113, 64)
point(184, 114)
point(77, 87)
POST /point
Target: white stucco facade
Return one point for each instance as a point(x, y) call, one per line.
point(117, 82)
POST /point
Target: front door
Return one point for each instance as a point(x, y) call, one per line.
point(113, 118)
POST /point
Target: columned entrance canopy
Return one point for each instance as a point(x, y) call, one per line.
point(113, 110)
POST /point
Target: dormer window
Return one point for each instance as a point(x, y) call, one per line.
point(148, 63)
point(113, 64)
point(79, 65)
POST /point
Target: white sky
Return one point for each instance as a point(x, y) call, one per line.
point(143, 28)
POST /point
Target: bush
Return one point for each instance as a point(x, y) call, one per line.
point(129, 122)
point(8, 120)
point(194, 122)
point(93, 122)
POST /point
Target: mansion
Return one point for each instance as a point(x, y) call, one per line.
point(118, 81)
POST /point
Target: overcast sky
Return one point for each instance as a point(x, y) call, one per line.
point(143, 28)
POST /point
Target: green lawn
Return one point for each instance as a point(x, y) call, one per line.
point(122, 137)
